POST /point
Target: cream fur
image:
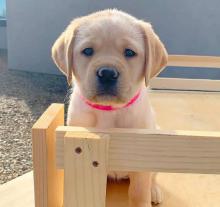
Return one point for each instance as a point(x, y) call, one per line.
point(109, 32)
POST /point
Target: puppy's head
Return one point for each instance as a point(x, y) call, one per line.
point(109, 54)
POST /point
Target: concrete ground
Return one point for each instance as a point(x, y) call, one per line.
point(23, 98)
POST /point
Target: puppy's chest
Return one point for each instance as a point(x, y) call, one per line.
point(116, 119)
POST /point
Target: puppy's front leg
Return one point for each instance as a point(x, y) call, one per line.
point(140, 189)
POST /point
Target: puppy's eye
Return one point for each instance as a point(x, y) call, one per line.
point(88, 51)
point(129, 53)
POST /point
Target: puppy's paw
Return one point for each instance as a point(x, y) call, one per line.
point(156, 194)
point(117, 176)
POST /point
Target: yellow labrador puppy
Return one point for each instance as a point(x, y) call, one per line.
point(111, 56)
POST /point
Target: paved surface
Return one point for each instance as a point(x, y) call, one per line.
point(23, 98)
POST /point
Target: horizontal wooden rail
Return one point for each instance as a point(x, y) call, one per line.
point(153, 150)
point(194, 61)
point(185, 84)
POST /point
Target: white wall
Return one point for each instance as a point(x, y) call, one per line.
point(3, 37)
point(186, 27)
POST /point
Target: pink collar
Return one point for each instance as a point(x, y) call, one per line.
point(109, 107)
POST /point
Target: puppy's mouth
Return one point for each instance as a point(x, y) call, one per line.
point(107, 98)
point(102, 92)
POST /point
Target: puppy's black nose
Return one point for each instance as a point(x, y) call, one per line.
point(107, 75)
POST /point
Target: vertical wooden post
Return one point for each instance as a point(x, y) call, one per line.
point(85, 169)
point(48, 181)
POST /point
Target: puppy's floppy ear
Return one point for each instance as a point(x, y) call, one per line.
point(62, 50)
point(156, 56)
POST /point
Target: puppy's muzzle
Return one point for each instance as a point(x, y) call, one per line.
point(107, 78)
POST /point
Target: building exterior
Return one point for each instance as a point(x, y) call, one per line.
point(3, 40)
point(185, 27)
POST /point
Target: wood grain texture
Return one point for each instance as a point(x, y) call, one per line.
point(194, 61)
point(18, 192)
point(48, 180)
point(185, 84)
point(85, 174)
point(153, 150)
point(179, 110)
point(180, 190)
point(189, 84)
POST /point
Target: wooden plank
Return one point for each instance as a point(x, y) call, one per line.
point(157, 150)
point(194, 61)
point(48, 180)
point(180, 190)
point(186, 110)
point(18, 192)
point(85, 174)
point(189, 84)
point(185, 84)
